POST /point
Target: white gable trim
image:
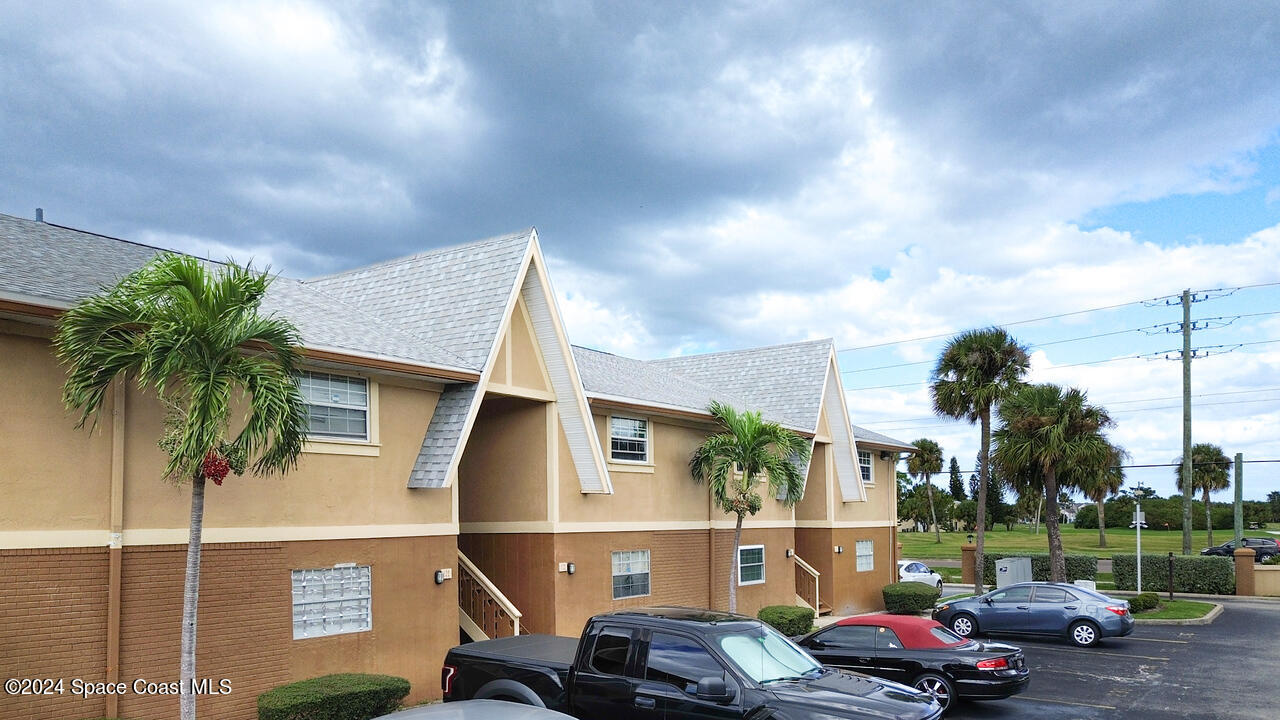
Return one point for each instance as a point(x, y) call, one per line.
point(487, 372)
point(842, 442)
point(562, 369)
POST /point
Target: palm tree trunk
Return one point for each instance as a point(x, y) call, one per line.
point(190, 597)
point(933, 514)
point(1039, 505)
point(1102, 524)
point(1057, 563)
point(733, 567)
point(984, 461)
point(1208, 516)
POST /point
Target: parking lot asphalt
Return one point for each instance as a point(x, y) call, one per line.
point(1223, 670)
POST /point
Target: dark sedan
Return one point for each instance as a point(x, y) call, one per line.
point(921, 653)
point(1262, 548)
point(1038, 608)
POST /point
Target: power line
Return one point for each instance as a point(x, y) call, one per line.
point(1059, 315)
point(938, 475)
point(1112, 402)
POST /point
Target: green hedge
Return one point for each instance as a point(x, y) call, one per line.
point(1079, 567)
point(1144, 601)
point(907, 598)
point(347, 696)
point(789, 620)
point(1191, 573)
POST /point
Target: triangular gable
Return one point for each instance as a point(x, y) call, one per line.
point(844, 447)
point(533, 289)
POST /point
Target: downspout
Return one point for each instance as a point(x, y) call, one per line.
point(711, 551)
point(116, 549)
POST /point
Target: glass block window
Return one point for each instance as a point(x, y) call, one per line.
point(630, 573)
point(332, 601)
point(628, 439)
point(866, 555)
point(337, 405)
point(864, 464)
point(750, 564)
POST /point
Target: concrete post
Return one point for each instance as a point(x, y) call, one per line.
point(1244, 571)
point(968, 553)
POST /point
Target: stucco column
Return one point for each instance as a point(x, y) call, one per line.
point(1244, 571)
point(968, 553)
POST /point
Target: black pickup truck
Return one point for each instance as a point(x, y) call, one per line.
point(673, 663)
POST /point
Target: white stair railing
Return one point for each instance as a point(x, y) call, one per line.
point(481, 602)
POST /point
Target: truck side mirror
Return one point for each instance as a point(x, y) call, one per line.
point(713, 688)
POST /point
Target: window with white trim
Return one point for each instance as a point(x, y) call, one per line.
point(866, 550)
point(337, 405)
point(332, 601)
point(628, 439)
point(630, 573)
point(750, 564)
point(864, 464)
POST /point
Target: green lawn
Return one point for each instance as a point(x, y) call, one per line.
point(1176, 610)
point(921, 546)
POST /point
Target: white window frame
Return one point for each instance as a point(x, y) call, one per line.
point(613, 572)
point(648, 440)
point(354, 585)
point(868, 469)
point(763, 563)
point(368, 409)
point(870, 554)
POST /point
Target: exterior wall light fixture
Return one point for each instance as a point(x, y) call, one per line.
point(839, 549)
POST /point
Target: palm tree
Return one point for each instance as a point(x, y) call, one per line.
point(1210, 472)
point(745, 451)
point(196, 339)
point(926, 460)
point(976, 370)
point(1101, 483)
point(1055, 434)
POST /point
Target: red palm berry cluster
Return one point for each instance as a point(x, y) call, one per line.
point(215, 467)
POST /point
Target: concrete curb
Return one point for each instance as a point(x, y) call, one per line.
point(1208, 618)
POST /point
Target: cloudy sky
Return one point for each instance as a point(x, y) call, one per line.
point(721, 175)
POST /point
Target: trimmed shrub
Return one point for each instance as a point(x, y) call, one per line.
point(789, 620)
point(1079, 567)
point(346, 696)
point(1144, 601)
point(1191, 573)
point(908, 598)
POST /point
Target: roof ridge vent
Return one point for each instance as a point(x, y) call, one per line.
point(39, 214)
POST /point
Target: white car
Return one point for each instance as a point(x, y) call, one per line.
point(916, 571)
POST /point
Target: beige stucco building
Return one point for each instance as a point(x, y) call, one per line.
point(468, 470)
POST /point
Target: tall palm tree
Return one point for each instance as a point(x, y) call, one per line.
point(1098, 484)
point(976, 370)
point(1210, 472)
point(926, 460)
point(1057, 435)
point(196, 339)
point(745, 451)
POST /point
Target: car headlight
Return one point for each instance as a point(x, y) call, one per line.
point(940, 608)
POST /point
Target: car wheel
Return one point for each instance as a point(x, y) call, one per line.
point(964, 625)
point(939, 687)
point(939, 587)
point(1083, 633)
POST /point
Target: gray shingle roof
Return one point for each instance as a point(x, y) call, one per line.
point(861, 434)
point(453, 297)
point(622, 377)
point(443, 435)
point(784, 381)
point(62, 265)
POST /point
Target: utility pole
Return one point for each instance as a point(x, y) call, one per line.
point(1239, 499)
point(1186, 422)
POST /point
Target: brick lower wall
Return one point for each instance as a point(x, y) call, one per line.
point(53, 624)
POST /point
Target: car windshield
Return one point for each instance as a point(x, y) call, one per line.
point(765, 655)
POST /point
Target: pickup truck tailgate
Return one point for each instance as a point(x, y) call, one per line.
point(549, 651)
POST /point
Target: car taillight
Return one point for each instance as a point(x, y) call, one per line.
point(447, 674)
point(1118, 609)
point(994, 664)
